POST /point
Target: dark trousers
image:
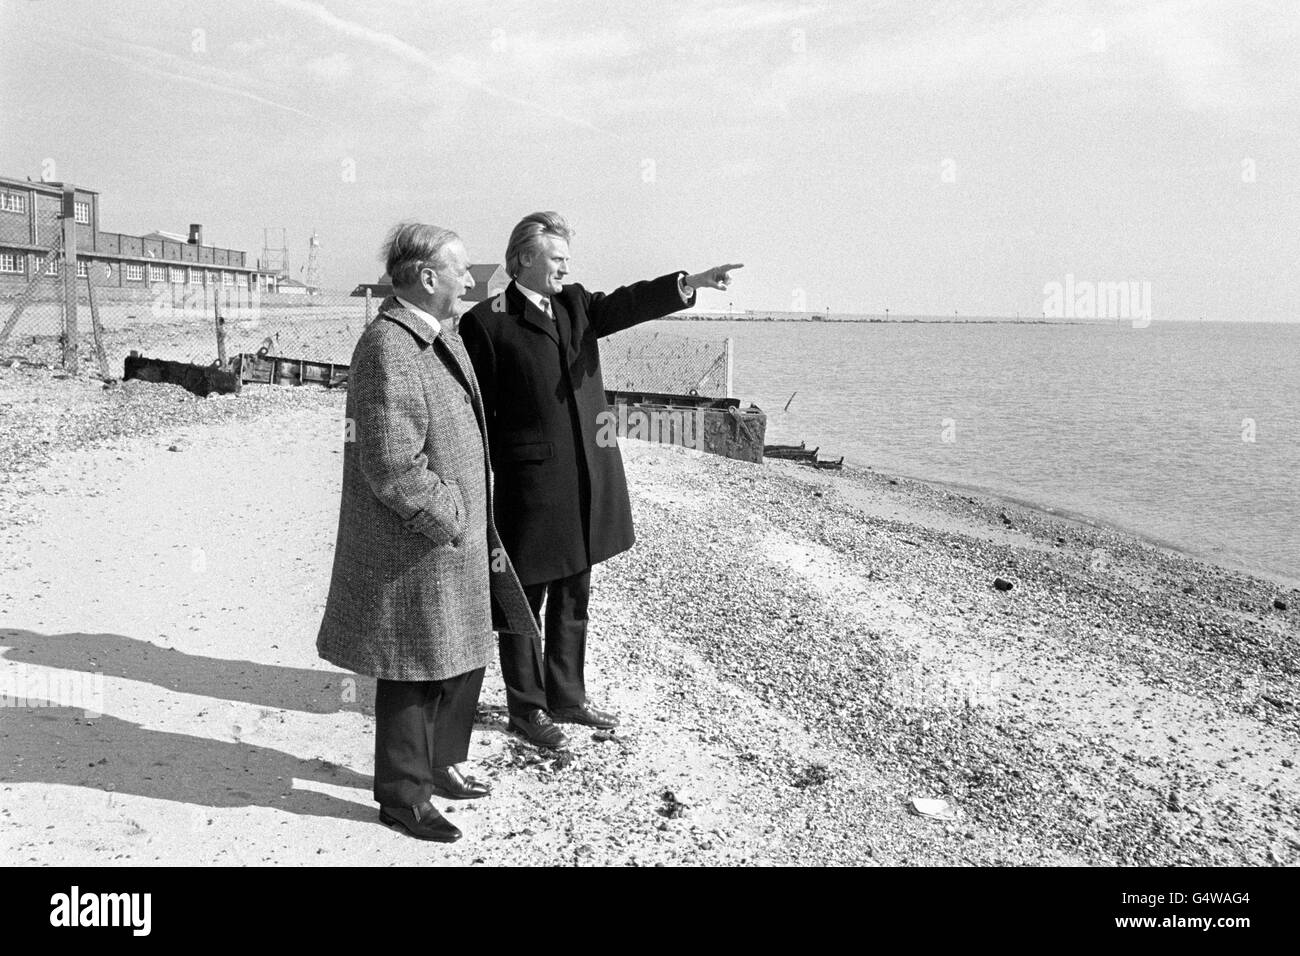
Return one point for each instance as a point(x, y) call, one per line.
point(556, 681)
point(420, 725)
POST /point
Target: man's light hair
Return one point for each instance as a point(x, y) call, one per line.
point(410, 247)
point(527, 236)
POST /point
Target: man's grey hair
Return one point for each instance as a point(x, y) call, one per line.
point(411, 246)
point(526, 236)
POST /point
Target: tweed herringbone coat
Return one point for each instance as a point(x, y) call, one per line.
point(420, 578)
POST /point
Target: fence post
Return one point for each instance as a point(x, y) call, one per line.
point(221, 329)
point(96, 328)
point(730, 365)
point(69, 279)
point(367, 307)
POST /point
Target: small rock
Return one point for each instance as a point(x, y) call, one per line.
point(1002, 584)
point(672, 807)
point(1279, 604)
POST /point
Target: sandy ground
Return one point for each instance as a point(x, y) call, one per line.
point(796, 655)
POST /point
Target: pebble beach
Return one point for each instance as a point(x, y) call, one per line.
point(813, 667)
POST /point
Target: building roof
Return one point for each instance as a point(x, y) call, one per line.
point(169, 236)
point(489, 279)
point(483, 273)
point(50, 187)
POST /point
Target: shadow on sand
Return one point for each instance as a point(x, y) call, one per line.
point(43, 742)
point(266, 685)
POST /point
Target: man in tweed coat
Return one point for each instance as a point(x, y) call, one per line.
point(419, 569)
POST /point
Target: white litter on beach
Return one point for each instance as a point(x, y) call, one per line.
point(932, 809)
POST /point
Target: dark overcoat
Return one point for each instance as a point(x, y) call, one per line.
point(561, 496)
point(420, 577)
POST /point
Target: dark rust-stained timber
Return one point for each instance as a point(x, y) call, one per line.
point(202, 380)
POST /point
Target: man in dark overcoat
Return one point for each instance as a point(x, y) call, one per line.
point(561, 496)
point(419, 568)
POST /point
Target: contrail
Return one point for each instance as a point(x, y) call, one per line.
point(184, 78)
point(415, 55)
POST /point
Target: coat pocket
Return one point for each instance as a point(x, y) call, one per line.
point(445, 524)
point(460, 519)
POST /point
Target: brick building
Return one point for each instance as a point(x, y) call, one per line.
point(30, 225)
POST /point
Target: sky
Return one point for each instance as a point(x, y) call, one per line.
point(855, 156)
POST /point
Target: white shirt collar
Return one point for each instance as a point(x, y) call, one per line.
point(427, 316)
point(536, 298)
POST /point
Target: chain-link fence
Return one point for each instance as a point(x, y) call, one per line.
point(641, 360)
point(176, 322)
point(186, 322)
point(34, 322)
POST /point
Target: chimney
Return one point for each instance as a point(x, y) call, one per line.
point(196, 234)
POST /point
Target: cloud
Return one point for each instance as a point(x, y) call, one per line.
point(718, 22)
point(1211, 63)
point(158, 63)
point(1186, 50)
point(246, 47)
point(334, 68)
point(400, 49)
point(560, 50)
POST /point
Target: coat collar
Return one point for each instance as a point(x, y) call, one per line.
point(523, 307)
point(391, 308)
point(428, 333)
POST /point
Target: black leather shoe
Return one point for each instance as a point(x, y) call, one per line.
point(585, 714)
point(449, 782)
point(537, 727)
point(421, 821)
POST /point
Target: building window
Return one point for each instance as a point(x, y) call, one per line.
point(134, 271)
point(196, 277)
point(13, 202)
point(177, 275)
point(81, 212)
point(9, 262)
point(83, 269)
point(227, 278)
point(52, 267)
point(157, 274)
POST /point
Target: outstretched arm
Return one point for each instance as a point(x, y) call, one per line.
point(719, 277)
point(652, 299)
